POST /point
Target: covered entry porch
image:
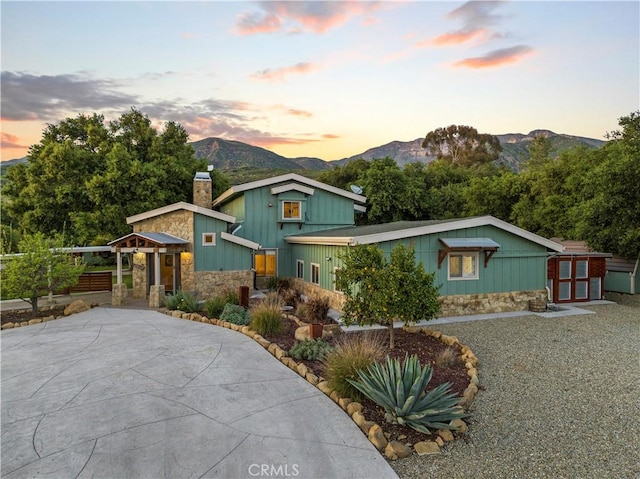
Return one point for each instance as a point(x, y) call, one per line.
point(157, 260)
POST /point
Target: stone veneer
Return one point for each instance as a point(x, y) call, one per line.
point(464, 304)
point(458, 305)
point(177, 223)
point(208, 283)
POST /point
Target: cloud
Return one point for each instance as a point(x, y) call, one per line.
point(302, 16)
point(496, 57)
point(280, 74)
point(52, 98)
point(454, 38)
point(8, 140)
point(43, 97)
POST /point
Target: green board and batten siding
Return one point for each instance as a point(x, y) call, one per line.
point(320, 211)
point(224, 256)
point(518, 265)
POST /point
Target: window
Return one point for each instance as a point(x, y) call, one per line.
point(291, 210)
point(315, 273)
point(565, 269)
point(208, 239)
point(264, 262)
point(463, 266)
point(300, 269)
point(594, 289)
point(582, 268)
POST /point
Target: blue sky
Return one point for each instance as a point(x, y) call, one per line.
point(322, 79)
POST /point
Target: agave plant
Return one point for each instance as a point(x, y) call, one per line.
point(400, 390)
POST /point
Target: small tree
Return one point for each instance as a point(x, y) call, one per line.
point(40, 267)
point(381, 291)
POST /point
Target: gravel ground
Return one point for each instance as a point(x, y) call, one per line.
point(560, 398)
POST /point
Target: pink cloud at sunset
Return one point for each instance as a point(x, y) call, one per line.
point(316, 17)
point(281, 74)
point(456, 38)
point(8, 140)
point(496, 57)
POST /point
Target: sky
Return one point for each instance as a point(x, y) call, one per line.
point(320, 79)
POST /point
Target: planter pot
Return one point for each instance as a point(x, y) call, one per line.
point(315, 331)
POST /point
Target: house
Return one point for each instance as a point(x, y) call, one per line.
point(196, 248)
point(623, 275)
point(483, 264)
point(577, 273)
point(292, 226)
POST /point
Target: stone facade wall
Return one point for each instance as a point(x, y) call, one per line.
point(465, 304)
point(209, 283)
point(177, 223)
point(336, 300)
point(458, 305)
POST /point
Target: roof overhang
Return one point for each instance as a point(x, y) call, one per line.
point(143, 242)
point(181, 205)
point(411, 232)
point(487, 245)
point(290, 177)
point(240, 241)
point(276, 190)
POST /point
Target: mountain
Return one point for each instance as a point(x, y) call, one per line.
point(515, 148)
point(227, 154)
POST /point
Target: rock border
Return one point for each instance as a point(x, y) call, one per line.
point(392, 450)
point(76, 306)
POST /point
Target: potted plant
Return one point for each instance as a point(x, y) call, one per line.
point(316, 311)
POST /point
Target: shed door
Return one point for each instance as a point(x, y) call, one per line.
point(576, 278)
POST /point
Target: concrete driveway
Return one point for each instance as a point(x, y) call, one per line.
point(118, 393)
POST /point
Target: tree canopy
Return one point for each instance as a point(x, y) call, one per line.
point(380, 290)
point(40, 268)
point(462, 145)
point(86, 176)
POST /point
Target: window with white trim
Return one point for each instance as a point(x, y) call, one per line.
point(208, 239)
point(463, 266)
point(300, 269)
point(315, 273)
point(291, 210)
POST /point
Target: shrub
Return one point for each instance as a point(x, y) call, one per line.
point(272, 300)
point(400, 390)
point(301, 310)
point(183, 301)
point(230, 295)
point(282, 284)
point(266, 319)
point(272, 284)
point(291, 297)
point(214, 306)
point(233, 313)
point(352, 353)
point(446, 358)
point(310, 349)
point(317, 309)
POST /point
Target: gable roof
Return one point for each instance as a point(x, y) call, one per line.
point(408, 229)
point(158, 239)
point(235, 191)
point(181, 205)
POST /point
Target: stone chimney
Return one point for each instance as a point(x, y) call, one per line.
point(202, 188)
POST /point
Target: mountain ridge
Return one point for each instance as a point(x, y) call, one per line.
point(229, 154)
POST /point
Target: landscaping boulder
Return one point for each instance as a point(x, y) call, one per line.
point(77, 306)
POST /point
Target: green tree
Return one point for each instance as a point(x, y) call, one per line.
point(345, 176)
point(539, 150)
point(462, 145)
point(381, 291)
point(40, 268)
point(85, 177)
point(608, 218)
point(384, 185)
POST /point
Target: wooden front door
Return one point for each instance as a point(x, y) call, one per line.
point(576, 278)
